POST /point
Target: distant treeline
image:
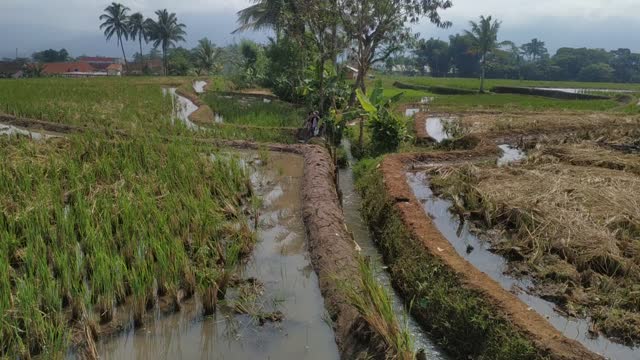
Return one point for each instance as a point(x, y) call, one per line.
point(530, 61)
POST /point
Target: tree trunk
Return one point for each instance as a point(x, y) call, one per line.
point(321, 86)
point(164, 59)
point(482, 65)
point(141, 57)
point(123, 55)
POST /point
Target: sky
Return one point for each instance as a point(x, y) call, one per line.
point(33, 25)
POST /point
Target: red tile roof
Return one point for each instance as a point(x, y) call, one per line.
point(114, 67)
point(97, 59)
point(64, 67)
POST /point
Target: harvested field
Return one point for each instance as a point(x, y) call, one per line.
point(501, 124)
point(570, 218)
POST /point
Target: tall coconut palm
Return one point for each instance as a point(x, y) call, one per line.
point(535, 49)
point(206, 55)
point(115, 22)
point(264, 14)
point(138, 30)
point(484, 40)
point(166, 32)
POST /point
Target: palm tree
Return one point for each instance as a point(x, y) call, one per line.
point(535, 49)
point(139, 29)
point(166, 32)
point(206, 55)
point(115, 22)
point(484, 38)
point(264, 14)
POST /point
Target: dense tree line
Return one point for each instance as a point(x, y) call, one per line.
point(460, 57)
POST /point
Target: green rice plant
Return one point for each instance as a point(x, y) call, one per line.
point(245, 110)
point(128, 213)
point(375, 305)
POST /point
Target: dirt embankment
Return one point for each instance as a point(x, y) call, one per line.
point(204, 114)
point(535, 328)
point(33, 124)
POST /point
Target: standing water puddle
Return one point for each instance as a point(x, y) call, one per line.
point(182, 107)
point(477, 252)
point(351, 203)
point(436, 129)
point(10, 130)
point(198, 86)
point(411, 112)
point(510, 155)
point(281, 263)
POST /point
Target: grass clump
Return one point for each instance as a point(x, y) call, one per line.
point(90, 223)
point(245, 110)
point(576, 228)
point(375, 305)
point(458, 318)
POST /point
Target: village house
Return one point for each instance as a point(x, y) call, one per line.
point(114, 70)
point(99, 63)
point(11, 69)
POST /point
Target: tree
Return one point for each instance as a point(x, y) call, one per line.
point(377, 28)
point(435, 54)
point(206, 54)
point(139, 29)
point(49, 56)
point(264, 14)
point(484, 37)
point(464, 62)
point(535, 49)
point(166, 32)
point(115, 22)
point(596, 73)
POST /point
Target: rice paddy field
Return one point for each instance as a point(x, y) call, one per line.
point(91, 223)
point(507, 102)
point(255, 110)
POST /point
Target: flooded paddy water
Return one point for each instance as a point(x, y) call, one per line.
point(436, 129)
point(288, 284)
point(182, 107)
point(478, 252)
point(510, 155)
point(199, 85)
point(9, 130)
point(351, 203)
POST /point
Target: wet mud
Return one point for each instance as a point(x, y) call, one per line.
point(478, 252)
point(547, 339)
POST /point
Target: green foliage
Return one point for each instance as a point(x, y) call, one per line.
point(253, 111)
point(459, 318)
point(435, 54)
point(49, 56)
point(596, 72)
point(388, 130)
point(100, 193)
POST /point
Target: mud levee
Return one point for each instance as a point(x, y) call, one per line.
point(204, 114)
point(34, 124)
point(470, 313)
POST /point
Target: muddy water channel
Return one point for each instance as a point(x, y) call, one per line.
point(182, 107)
point(280, 264)
point(477, 252)
point(351, 203)
point(198, 86)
